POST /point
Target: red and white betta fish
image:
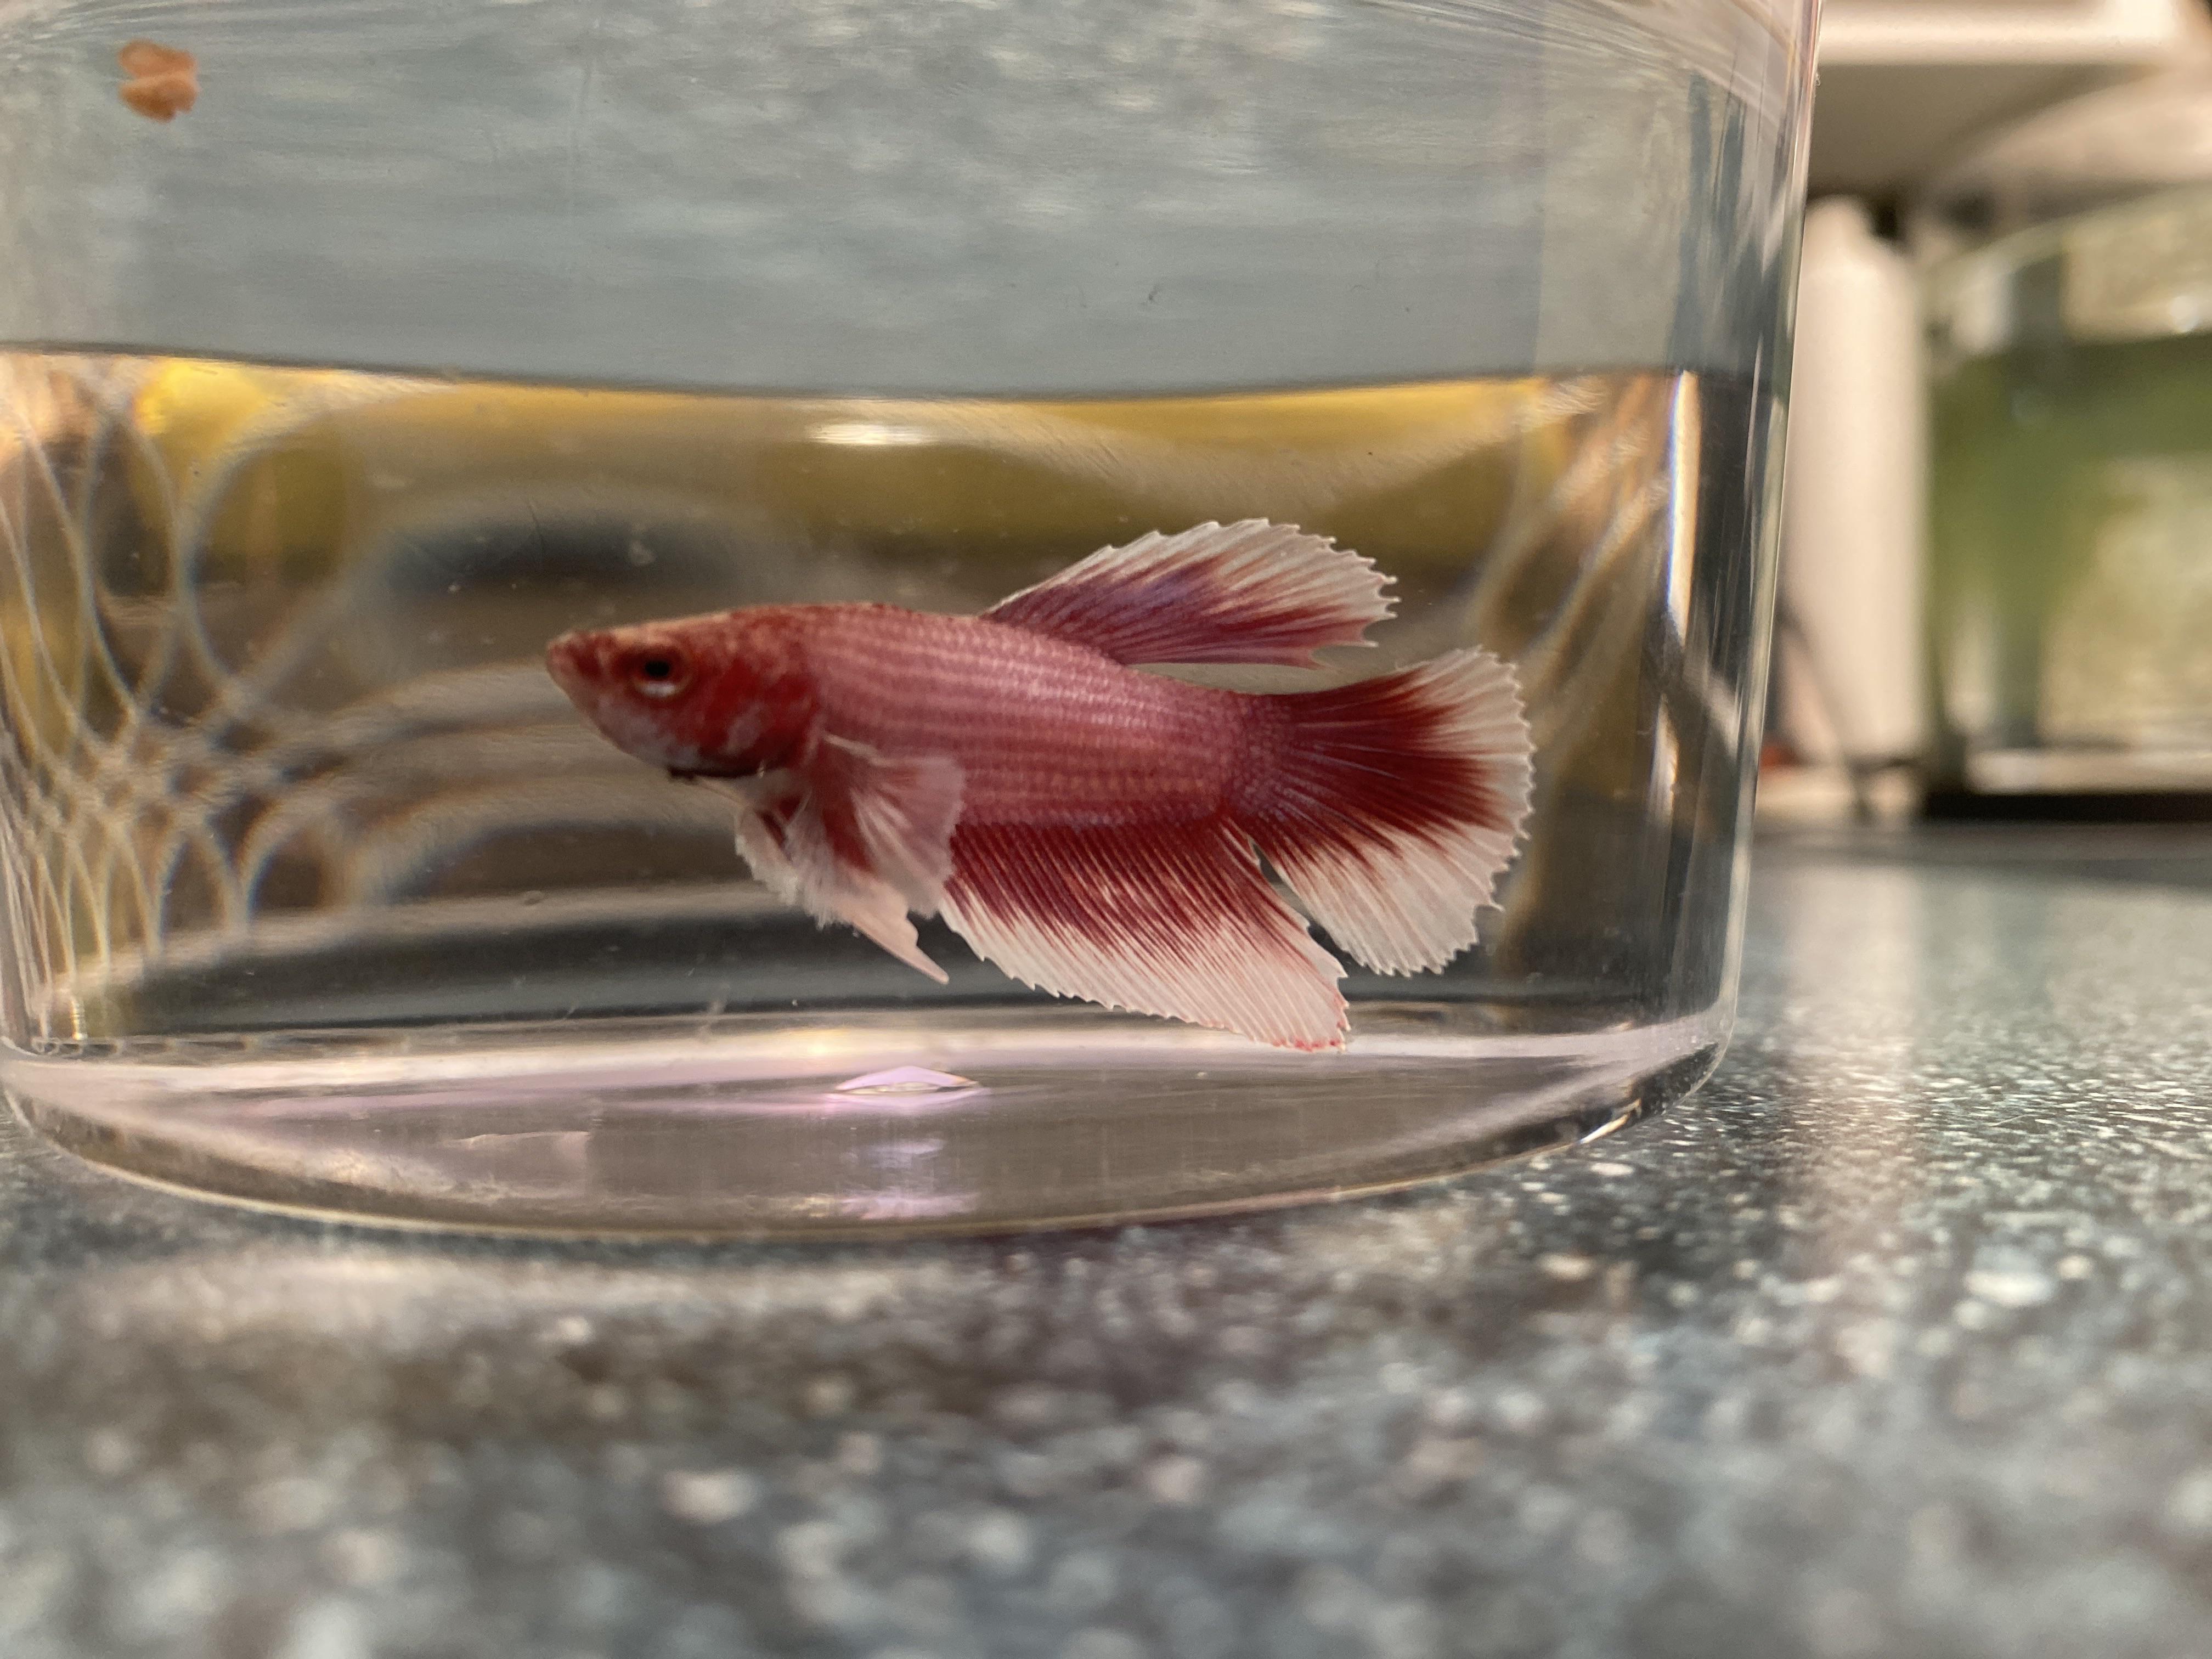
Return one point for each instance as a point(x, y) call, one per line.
point(1093, 830)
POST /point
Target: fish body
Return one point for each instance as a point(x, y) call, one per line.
point(1043, 730)
point(1092, 828)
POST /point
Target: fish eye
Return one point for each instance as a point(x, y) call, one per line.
point(659, 671)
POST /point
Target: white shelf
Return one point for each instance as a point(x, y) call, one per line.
point(1906, 84)
point(2072, 32)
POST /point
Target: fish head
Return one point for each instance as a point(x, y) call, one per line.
point(713, 695)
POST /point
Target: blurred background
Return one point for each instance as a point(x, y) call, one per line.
point(1997, 587)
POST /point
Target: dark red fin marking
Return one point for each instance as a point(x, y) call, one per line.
point(1172, 919)
point(1251, 593)
point(1392, 805)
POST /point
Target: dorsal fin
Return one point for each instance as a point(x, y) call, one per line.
point(1250, 593)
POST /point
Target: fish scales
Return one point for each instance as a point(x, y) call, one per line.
point(1044, 732)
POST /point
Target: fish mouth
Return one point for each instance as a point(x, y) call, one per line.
point(573, 661)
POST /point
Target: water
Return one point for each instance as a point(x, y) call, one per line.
point(422, 338)
point(987, 196)
point(303, 835)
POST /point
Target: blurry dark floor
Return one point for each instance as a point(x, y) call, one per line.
point(1894, 1340)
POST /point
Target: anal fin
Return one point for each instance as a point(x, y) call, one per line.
point(1172, 919)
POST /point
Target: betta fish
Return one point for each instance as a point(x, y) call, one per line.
point(1096, 830)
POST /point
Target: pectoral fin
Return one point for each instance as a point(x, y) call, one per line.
point(857, 837)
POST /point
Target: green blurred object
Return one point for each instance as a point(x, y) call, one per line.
point(2070, 565)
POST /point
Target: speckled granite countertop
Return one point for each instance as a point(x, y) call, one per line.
point(1897, 1339)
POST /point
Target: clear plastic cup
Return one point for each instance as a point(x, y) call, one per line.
point(395, 340)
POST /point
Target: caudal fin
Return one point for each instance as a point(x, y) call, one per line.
point(1394, 805)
